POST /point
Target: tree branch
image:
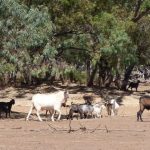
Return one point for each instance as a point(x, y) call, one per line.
point(142, 14)
point(138, 15)
point(137, 8)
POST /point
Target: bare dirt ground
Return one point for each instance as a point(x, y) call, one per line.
point(120, 132)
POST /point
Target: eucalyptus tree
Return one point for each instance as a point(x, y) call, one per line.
point(120, 36)
point(26, 39)
point(140, 9)
point(115, 48)
point(83, 29)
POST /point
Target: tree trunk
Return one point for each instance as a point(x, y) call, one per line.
point(117, 81)
point(126, 77)
point(110, 80)
point(91, 80)
point(88, 64)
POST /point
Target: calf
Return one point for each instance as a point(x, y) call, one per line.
point(6, 107)
point(144, 103)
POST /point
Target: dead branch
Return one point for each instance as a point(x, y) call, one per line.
point(90, 130)
point(107, 129)
point(70, 129)
point(63, 130)
point(83, 128)
point(17, 128)
point(69, 126)
point(54, 129)
point(95, 128)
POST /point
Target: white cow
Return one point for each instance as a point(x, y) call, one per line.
point(48, 101)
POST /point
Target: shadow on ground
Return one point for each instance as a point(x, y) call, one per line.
point(33, 116)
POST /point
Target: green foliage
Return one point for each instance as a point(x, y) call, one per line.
point(116, 45)
point(6, 68)
point(42, 37)
point(75, 75)
point(146, 4)
point(27, 33)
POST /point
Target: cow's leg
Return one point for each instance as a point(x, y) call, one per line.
point(107, 110)
point(9, 113)
point(141, 115)
point(85, 115)
point(138, 115)
point(81, 114)
point(112, 112)
point(37, 112)
point(77, 116)
point(92, 116)
point(136, 89)
point(59, 114)
point(52, 117)
point(6, 113)
point(141, 111)
point(27, 118)
point(128, 87)
point(46, 113)
point(58, 110)
point(97, 115)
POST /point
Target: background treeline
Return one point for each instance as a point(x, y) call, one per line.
point(84, 41)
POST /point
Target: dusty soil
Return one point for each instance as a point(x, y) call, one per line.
point(120, 132)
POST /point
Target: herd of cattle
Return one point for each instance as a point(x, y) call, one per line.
point(53, 102)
